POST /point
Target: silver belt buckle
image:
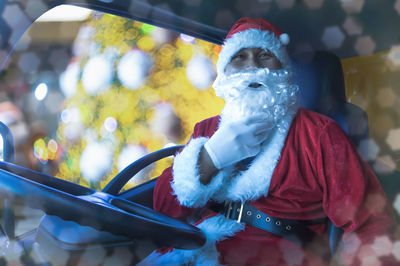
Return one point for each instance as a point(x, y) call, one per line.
point(240, 213)
point(228, 213)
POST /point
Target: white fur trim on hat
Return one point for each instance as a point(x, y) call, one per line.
point(253, 38)
point(186, 179)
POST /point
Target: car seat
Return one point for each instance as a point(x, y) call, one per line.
point(319, 76)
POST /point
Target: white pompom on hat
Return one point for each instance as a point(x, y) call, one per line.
point(253, 33)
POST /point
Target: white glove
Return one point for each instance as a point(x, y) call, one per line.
point(237, 141)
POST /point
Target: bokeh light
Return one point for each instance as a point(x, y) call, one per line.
point(396, 250)
point(369, 149)
point(285, 4)
point(352, 26)
point(333, 37)
point(69, 79)
point(28, 62)
point(313, 4)
point(394, 56)
point(201, 72)
point(95, 161)
point(187, 38)
point(397, 6)
point(97, 75)
point(393, 139)
point(382, 246)
point(386, 97)
point(41, 91)
point(133, 69)
point(352, 6)
point(364, 45)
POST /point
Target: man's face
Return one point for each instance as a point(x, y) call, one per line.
point(249, 58)
point(255, 83)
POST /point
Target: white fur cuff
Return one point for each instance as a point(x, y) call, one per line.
point(216, 229)
point(186, 179)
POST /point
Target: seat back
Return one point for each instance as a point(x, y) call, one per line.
point(319, 76)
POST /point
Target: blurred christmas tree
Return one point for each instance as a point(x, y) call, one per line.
point(131, 89)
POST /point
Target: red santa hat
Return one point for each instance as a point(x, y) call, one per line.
point(253, 33)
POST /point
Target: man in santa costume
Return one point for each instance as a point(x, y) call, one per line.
point(260, 179)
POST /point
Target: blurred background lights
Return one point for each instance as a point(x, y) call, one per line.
point(65, 13)
point(386, 97)
point(97, 75)
point(41, 91)
point(161, 36)
point(165, 122)
point(368, 149)
point(352, 26)
point(200, 72)
point(333, 37)
point(146, 43)
point(74, 127)
point(134, 68)
point(187, 38)
point(352, 6)
point(65, 116)
point(28, 62)
point(285, 4)
point(384, 165)
point(69, 79)
point(364, 45)
point(147, 28)
point(128, 155)
point(110, 124)
point(314, 4)
point(393, 139)
point(45, 150)
point(95, 161)
point(382, 246)
point(397, 6)
point(396, 250)
point(396, 206)
point(394, 55)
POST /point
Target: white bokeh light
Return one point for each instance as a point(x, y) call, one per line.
point(200, 72)
point(69, 79)
point(133, 69)
point(333, 37)
point(97, 75)
point(110, 124)
point(128, 155)
point(187, 38)
point(95, 161)
point(72, 118)
point(41, 91)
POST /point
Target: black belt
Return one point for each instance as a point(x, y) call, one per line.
point(294, 230)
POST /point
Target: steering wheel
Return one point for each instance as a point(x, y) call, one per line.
point(100, 210)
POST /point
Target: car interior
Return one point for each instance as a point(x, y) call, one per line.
point(81, 221)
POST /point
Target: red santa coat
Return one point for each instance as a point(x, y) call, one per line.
point(319, 174)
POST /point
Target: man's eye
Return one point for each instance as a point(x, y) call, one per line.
point(264, 55)
point(238, 56)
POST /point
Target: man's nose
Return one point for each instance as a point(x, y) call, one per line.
point(251, 63)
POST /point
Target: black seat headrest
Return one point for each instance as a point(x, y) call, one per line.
point(319, 76)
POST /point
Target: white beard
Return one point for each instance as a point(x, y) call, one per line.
point(275, 99)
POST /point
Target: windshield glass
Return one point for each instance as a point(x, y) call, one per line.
point(87, 95)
